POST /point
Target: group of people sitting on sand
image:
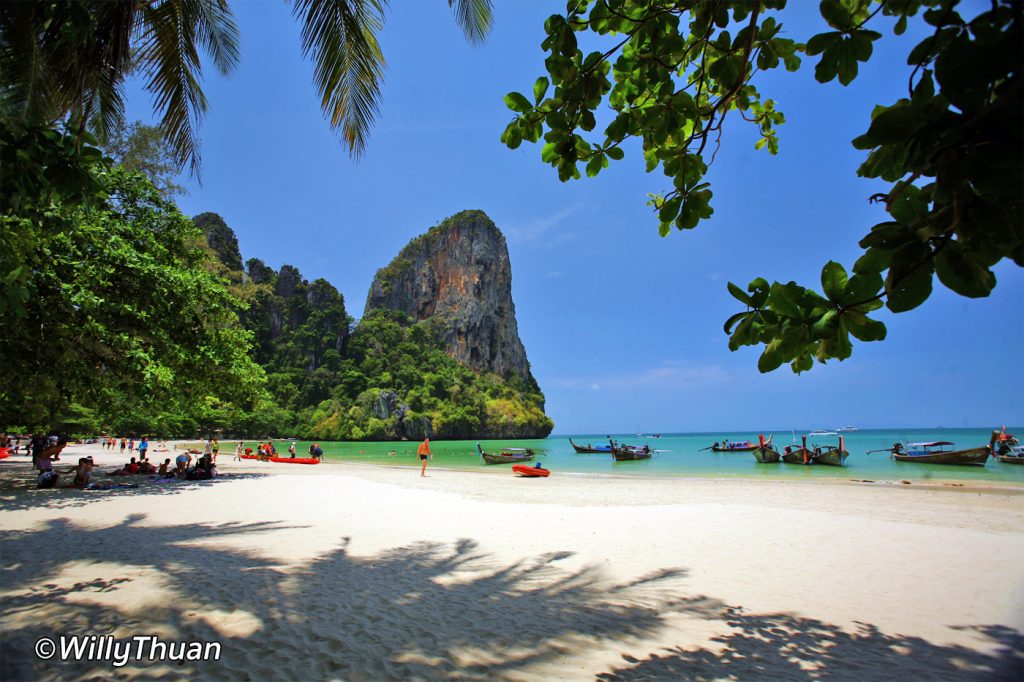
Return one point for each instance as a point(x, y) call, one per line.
point(44, 454)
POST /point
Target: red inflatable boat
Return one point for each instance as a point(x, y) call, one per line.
point(530, 472)
point(287, 460)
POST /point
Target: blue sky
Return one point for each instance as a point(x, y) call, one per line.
point(623, 328)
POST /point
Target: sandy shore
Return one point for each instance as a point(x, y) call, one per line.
point(360, 572)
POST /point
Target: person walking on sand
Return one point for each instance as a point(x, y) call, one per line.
point(215, 447)
point(238, 451)
point(424, 453)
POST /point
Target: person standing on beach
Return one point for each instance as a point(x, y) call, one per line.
point(291, 450)
point(424, 453)
point(143, 447)
point(238, 451)
point(131, 445)
point(215, 448)
point(124, 444)
point(208, 448)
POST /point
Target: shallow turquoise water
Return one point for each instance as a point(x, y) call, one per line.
point(680, 455)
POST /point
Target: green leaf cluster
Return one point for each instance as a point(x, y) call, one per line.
point(108, 306)
point(674, 70)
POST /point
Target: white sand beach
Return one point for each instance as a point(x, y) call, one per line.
point(359, 572)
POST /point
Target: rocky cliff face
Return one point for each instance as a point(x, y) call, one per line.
point(459, 274)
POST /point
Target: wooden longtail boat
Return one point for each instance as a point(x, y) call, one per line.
point(604, 449)
point(933, 453)
point(739, 446)
point(830, 455)
point(826, 455)
point(798, 455)
point(765, 453)
point(626, 453)
point(506, 456)
point(1016, 456)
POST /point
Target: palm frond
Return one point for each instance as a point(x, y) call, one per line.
point(216, 31)
point(348, 66)
point(23, 79)
point(61, 58)
point(474, 17)
point(169, 60)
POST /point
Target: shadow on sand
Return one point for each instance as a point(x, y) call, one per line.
point(422, 611)
point(783, 646)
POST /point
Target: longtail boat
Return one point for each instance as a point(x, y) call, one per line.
point(739, 446)
point(626, 453)
point(793, 454)
point(1014, 456)
point(934, 452)
point(830, 455)
point(588, 448)
point(506, 456)
point(826, 455)
point(1004, 443)
point(765, 453)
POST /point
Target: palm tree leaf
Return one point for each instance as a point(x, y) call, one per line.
point(23, 70)
point(216, 31)
point(474, 17)
point(63, 58)
point(169, 60)
point(348, 66)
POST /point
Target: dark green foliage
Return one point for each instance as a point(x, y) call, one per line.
point(676, 69)
point(221, 239)
point(111, 311)
point(299, 328)
point(396, 376)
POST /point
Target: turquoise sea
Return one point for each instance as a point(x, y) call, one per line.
point(679, 454)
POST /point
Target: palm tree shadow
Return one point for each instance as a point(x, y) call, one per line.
point(427, 610)
point(785, 646)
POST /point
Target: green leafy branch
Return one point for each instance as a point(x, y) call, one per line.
point(951, 149)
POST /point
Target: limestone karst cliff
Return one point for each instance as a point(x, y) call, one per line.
point(436, 353)
point(459, 273)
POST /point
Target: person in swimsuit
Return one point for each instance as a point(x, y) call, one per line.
point(424, 453)
point(181, 463)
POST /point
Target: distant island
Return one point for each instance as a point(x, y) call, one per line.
point(437, 352)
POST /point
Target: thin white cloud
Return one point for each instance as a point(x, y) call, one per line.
point(552, 274)
point(537, 228)
point(671, 374)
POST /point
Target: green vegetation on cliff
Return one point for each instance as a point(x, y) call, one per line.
point(397, 381)
point(387, 378)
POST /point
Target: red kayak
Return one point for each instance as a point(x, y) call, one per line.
point(287, 460)
point(530, 472)
point(5, 453)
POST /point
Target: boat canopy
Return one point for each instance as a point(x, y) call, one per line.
point(930, 444)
